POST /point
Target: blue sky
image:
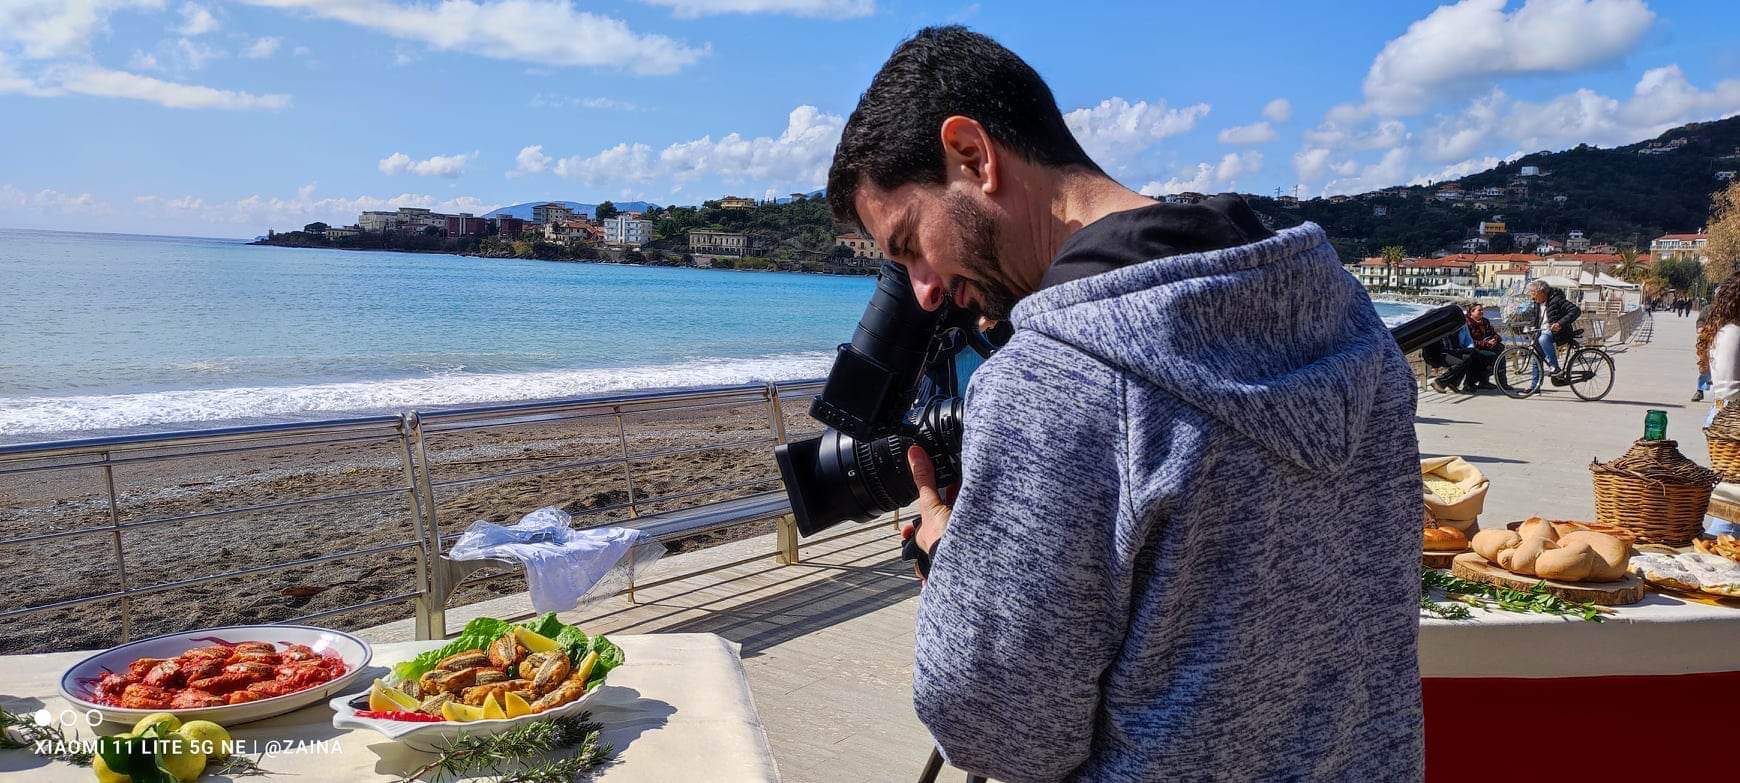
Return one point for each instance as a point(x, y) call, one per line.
point(226, 117)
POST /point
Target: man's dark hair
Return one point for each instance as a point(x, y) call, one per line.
point(892, 137)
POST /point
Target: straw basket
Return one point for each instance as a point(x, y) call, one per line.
point(1723, 435)
point(1654, 492)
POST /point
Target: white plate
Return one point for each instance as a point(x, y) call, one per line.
point(432, 736)
point(355, 652)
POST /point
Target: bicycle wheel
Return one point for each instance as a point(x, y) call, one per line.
point(1591, 373)
point(1517, 372)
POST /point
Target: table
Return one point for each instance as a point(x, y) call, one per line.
point(1651, 678)
point(679, 709)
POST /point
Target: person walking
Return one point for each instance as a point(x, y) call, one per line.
point(1706, 335)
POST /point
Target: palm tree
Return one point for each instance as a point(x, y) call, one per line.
point(1629, 268)
point(1392, 256)
point(1654, 286)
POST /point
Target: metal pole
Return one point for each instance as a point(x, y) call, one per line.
point(425, 590)
point(120, 559)
point(434, 607)
point(786, 542)
point(627, 472)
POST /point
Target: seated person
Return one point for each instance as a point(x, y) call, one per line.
point(1449, 355)
point(1485, 345)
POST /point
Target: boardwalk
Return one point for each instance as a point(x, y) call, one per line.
point(828, 643)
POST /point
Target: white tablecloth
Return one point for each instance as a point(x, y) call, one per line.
point(678, 710)
point(1662, 635)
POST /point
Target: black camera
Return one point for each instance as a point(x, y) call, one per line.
point(897, 383)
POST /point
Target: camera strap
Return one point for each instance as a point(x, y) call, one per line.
point(910, 550)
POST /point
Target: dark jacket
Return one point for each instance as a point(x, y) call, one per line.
point(1480, 332)
point(1559, 311)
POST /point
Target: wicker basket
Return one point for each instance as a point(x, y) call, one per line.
point(1723, 436)
point(1655, 492)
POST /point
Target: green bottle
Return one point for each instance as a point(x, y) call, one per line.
point(1655, 425)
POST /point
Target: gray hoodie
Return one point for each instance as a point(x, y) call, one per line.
point(1186, 545)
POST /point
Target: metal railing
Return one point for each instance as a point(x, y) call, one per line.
point(427, 450)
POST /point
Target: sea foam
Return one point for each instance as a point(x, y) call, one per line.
point(35, 416)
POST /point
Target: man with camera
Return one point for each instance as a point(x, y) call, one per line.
point(1185, 542)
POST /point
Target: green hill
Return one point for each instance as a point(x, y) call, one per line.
point(1619, 196)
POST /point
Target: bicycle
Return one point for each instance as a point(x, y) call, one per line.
point(1587, 370)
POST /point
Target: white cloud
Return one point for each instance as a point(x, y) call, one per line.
point(1254, 133)
point(301, 51)
point(1459, 134)
point(449, 166)
point(262, 48)
point(106, 83)
point(260, 212)
point(1457, 170)
point(531, 160)
point(551, 32)
point(833, 9)
point(1387, 171)
point(1347, 127)
point(143, 61)
point(1279, 110)
point(1210, 178)
point(1476, 39)
point(798, 157)
point(1311, 162)
point(50, 201)
point(1117, 131)
point(47, 29)
point(195, 20)
point(554, 101)
point(192, 55)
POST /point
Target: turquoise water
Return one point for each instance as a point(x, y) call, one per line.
point(105, 333)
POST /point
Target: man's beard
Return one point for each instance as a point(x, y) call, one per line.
point(979, 235)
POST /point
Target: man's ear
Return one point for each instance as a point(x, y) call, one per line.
point(968, 154)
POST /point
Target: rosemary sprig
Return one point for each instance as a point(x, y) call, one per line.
point(1536, 599)
point(1446, 611)
point(21, 732)
point(520, 747)
point(239, 766)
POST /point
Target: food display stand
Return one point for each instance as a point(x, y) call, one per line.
point(680, 709)
point(1641, 695)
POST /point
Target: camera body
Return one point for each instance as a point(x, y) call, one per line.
point(894, 385)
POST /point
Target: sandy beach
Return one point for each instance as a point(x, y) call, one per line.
point(84, 565)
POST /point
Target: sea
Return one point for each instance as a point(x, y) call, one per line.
point(106, 334)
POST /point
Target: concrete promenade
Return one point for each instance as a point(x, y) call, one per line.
point(828, 643)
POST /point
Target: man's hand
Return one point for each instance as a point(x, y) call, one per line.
point(933, 510)
point(1555, 328)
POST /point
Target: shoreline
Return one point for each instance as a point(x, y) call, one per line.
point(661, 263)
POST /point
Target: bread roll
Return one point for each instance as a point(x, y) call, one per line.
point(1570, 563)
point(1536, 527)
point(1521, 558)
point(1444, 539)
point(1488, 543)
point(1613, 553)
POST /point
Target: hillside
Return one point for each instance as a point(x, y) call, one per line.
point(1619, 196)
point(524, 211)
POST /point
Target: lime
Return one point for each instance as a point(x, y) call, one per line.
point(106, 775)
point(208, 737)
point(170, 723)
point(180, 758)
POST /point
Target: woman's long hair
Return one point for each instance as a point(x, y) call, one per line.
point(1725, 309)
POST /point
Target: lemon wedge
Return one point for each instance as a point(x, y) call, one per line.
point(516, 705)
point(386, 698)
point(461, 713)
point(534, 641)
point(584, 670)
point(492, 709)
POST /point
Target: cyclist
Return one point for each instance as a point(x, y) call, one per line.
point(1554, 314)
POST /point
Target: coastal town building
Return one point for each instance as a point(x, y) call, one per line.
point(343, 232)
point(407, 220)
point(574, 231)
point(1490, 228)
point(1575, 242)
point(1420, 273)
point(464, 225)
point(1511, 278)
point(628, 230)
point(736, 202)
point(508, 226)
point(1529, 171)
point(860, 245)
point(721, 243)
point(545, 214)
point(1690, 246)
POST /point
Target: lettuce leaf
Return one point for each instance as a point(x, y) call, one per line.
point(478, 633)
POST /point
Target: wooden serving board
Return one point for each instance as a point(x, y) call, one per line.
point(1630, 590)
point(1430, 559)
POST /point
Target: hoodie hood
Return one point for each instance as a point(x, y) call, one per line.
point(1273, 338)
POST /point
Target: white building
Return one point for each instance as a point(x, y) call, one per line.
point(1575, 242)
point(408, 220)
point(1530, 171)
point(548, 213)
point(627, 229)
